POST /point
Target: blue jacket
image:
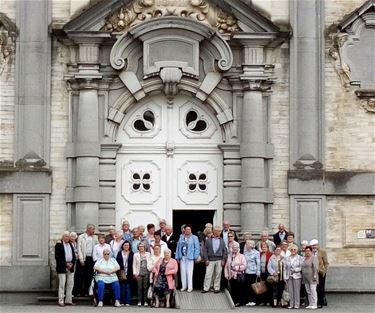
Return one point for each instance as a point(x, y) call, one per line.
point(193, 248)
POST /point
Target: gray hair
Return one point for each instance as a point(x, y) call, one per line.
point(73, 234)
point(264, 233)
point(217, 228)
point(90, 226)
point(65, 233)
point(235, 244)
point(167, 251)
point(106, 250)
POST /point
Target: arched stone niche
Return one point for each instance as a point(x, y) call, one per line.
point(353, 53)
point(170, 55)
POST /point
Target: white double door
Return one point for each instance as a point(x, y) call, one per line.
point(169, 160)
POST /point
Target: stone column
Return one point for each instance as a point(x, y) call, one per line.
point(255, 149)
point(86, 146)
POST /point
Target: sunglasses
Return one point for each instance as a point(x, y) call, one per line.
point(106, 253)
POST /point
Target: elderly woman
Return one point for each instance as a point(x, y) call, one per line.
point(231, 240)
point(234, 270)
point(264, 238)
point(116, 243)
point(310, 278)
point(125, 260)
point(65, 260)
point(293, 276)
point(188, 250)
point(141, 273)
point(252, 271)
point(164, 284)
point(246, 236)
point(275, 268)
point(154, 259)
point(265, 256)
point(106, 269)
point(99, 248)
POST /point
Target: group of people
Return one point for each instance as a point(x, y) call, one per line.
point(146, 261)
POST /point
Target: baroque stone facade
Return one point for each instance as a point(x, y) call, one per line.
point(282, 115)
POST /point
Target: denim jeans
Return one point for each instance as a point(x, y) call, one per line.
point(115, 287)
point(125, 292)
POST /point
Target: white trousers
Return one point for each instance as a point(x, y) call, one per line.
point(66, 282)
point(213, 272)
point(187, 267)
point(311, 294)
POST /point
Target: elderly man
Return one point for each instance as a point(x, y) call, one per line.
point(65, 260)
point(111, 234)
point(225, 231)
point(264, 237)
point(215, 255)
point(323, 268)
point(171, 239)
point(126, 232)
point(281, 235)
point(162, 225)
point(85, 266)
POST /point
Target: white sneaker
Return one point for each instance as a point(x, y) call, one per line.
point(100, 303)
point(127, 304)
point(189, 290)
point(308, 307)
point(313, 307)
point(117, 303)
point(139, 304)
point(183, 289)
point(252, 304)
point(146, 304)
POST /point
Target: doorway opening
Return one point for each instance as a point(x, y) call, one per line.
point(196, 218)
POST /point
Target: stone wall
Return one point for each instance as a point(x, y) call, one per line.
point(6, 229)
point(349, 129)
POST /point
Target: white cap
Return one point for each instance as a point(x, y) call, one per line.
point(314, 242)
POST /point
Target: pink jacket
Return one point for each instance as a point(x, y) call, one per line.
point(170, 271)
point(235, 264)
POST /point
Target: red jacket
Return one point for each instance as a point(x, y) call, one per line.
point(268, 255)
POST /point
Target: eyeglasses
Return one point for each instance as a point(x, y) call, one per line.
point(230, 236)
point(106, 253)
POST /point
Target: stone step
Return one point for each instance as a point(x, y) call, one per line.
point(208, 301)
point(54, 300)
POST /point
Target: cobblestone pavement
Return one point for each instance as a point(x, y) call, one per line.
point(338, 303)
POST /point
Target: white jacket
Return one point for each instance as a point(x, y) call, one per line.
point(137, 262)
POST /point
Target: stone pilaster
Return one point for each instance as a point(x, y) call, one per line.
point(84, 194)
point(306, 88)
point(255, 149)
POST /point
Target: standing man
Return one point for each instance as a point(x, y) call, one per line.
point(126, 233)
point(281, 235)
point(215, 255)
point(110, 236)
point(65, 260)
point(225, 231)
point(85, 266)
point(162, 225)
point(171, 239)
point(322, 272)
point(187, 252)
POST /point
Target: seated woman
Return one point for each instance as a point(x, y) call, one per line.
point(235, 268)
point(164, 284)
point(125, 260)
point(106, 269)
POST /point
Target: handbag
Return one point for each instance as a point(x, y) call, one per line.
point(259, 287)
point(272, 279)
point(286, 296)
point(150, 292)
point(121, 275)
point(240, 277)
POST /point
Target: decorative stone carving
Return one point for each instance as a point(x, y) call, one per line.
point(8, 35)
point(367, 97)
point(353, 47)
point(335, 53)
point(171, 77)
point(142, 10)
